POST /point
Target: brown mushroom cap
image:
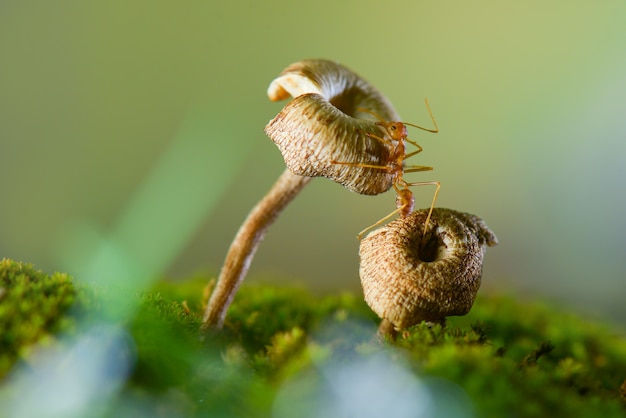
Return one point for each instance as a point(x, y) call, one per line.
point(407, 279)
point(323, 125)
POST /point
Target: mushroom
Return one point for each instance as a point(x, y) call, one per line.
point(331, 119)
point(409, 277)
point(320, 125)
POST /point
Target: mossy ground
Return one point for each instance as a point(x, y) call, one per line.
point(284, 352)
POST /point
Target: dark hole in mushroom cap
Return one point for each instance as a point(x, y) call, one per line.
point(346, 102)
point(428, 247)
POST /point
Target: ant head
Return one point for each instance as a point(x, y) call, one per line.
point(396, 130)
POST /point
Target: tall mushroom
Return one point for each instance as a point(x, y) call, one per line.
point(320, 125)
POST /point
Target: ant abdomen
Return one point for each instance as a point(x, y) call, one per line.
point(405, 202)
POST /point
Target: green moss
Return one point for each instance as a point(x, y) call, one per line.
point(284, 345)
point(33, 307)
point(261, 312)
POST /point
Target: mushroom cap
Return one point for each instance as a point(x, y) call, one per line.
point(407, 279)
point(325, 125)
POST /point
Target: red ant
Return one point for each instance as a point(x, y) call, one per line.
point(397, 132)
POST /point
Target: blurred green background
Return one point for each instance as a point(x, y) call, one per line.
point(132, 144)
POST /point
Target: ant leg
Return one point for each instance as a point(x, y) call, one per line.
point(383, 140)
point(410, 154)
point(369, 228)
point(416, 168)
point(415, 144)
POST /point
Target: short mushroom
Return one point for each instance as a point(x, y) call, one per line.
point(320, 125)
point(409, 277)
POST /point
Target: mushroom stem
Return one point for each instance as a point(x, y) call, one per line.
point(386, 329)
point(245, 244)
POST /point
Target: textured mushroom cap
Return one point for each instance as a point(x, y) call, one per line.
point(322, 125)
point(407, 280)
